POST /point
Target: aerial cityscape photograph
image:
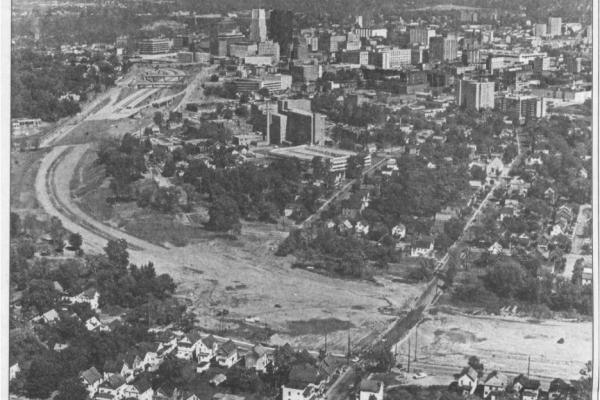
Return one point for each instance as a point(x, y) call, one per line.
point(301, 200)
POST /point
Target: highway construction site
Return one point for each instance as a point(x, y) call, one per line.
point(243, 287)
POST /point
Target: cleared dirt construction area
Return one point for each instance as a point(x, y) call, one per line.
point(445, 342)
point(265, 287)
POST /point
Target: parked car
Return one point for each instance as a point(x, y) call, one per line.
point(420, 375)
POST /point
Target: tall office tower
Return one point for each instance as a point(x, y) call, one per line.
point(258, 25)
point(420, 36)
point(540, 30)
point(475, 95)
point(574, 65)
point(442, 48)
point(358, 20)
point(281, 29)
point(554, 26)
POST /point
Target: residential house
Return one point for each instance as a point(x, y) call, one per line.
point(528, 388)
point(218, 379)
point(258, 358)
point(399, 231)
point(329, 366)
point(112, 387)
point(495, 249)
point(518, 185)
point(186, 345)
point(564, 213)
point(118, 367)
point(90, 296)
point(202, 366)
point(506, 212)
point(304, 383)
point(150, 361)
point(467, 381)
point(141, 389)
point(587, 276)
point(370, 389)
point(345, 226)
point(167, 392)
point(559, 389)
point(94, 324)
point(559, 229)
point(550, 195)
point(48, 317)
point(206, 348)
point(494, 382)
point(91, 379)
point(440, 220)
point(227, 354)
point(13, 370)
point(422, 248)
point(362, 228)
point(494, 167)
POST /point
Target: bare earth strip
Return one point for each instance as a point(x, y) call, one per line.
point(205, 270)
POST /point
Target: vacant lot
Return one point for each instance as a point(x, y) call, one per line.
point(96, 130)
point(445, 341)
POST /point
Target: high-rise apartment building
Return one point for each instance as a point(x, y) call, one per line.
point(420, 36)
point(475, 95)
point(443, 48)
point(258, 26)
point(520, 107)
point(554, 26)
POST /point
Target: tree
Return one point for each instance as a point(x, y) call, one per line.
point(57, 233)
point(72, 389)
point(15, 224)
point(476, 364)
point(75, 241)
point(158, 118)
point(224, 214)
point(505, 278)
point(116, 251)
point(40, 295)
point(169, 168)
point(477, 173)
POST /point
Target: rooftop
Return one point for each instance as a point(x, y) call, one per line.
point(307, 152)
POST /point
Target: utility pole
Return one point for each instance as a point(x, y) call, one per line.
point(408, 366)
point(528, 365)
point(416, 336)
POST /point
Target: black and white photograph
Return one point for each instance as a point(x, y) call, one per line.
point(300, 199)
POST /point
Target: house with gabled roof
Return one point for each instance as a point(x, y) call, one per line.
point(49, 317)
point(186, 345)
point(227, 354)
point(150, 361)
point(529, 389)
point(91, 379)
point(370, 389)
point(422, 248)
point(258, 358)
point(494, 381)
point(467, 380)
point(113, 386)
point(206, 348)
point(90, 296)
point(304, 382)
point(140, 389)
point(560, 389)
